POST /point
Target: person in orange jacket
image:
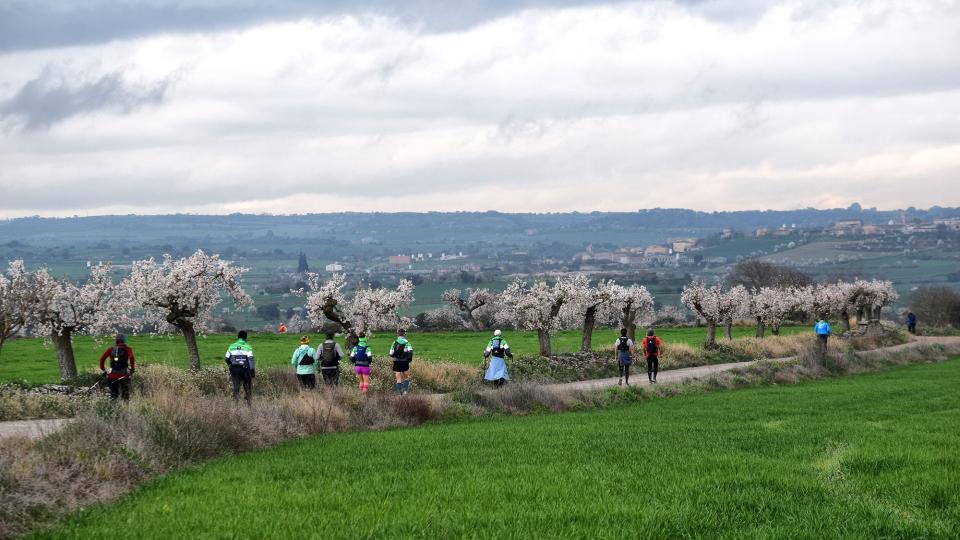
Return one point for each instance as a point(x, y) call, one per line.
point(121, 367)
point(651, 349)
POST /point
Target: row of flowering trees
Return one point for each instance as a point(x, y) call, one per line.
point(771, 306)
point(172, 294)
point(180, 295)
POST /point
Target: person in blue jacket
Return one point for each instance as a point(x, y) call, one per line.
point(822, 329)
point(911, 323)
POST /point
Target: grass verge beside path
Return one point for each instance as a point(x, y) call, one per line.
point(866, 456)
point(34, 360)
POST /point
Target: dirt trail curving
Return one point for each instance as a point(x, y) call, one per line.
point(35, 429)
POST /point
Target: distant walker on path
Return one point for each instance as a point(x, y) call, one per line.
point(402, 353)
point(329, 355)
point(239, 359)
point(624, 351)
point(305, 363)
point(121, 368)
point(652, 346)
point(497, 350)
point(911, 323)
point(822, 329)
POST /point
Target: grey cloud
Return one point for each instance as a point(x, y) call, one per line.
point(50, 98)
point(57, 23)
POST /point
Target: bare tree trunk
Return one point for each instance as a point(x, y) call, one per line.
point(64, 346)
point(845, 319)
point(728, 329)
point(775, 330)
point(589, 323)
point(544, 338)
point(350, 341)
point(760, 327)
point(711, 341)
point(190, 336)
point(470, 320)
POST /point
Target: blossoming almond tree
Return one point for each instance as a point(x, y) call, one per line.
point(538, 306)
point(468, 303)
point(770, 306)
point(60, 309)
point(736, 301)
point(182, 293)
point(627, 307)
point(13, 288)
point(367, 310)
point(586, 303)
point(714, 305)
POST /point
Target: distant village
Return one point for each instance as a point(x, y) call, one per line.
point(676, 253)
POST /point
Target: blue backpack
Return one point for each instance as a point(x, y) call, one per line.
point(361, 354)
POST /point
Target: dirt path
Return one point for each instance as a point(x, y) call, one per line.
point(31, 429)
point(35, 429)
point(638, 374)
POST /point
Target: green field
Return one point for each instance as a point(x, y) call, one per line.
point(870, 456)
point(34, 360)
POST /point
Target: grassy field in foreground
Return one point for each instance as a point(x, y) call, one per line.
point(34, 360)
point(866, 456)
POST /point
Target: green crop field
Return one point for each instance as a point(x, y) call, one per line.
point(869, 456)
point(34, 360)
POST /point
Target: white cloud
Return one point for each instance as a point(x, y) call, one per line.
point(600, 107)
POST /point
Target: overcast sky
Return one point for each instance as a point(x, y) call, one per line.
point(220, 106)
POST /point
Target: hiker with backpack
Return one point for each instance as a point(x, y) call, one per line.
point(623, 351)
point(306, 367)
point(239, 359)
point(822, 329)
point(497, 350)
point(402, 353)
point(651, 350)
point(361, 356)
point(329, 355)
point(121, 368)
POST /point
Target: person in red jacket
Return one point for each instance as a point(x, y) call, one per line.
point(121, 368)
point(651, 349)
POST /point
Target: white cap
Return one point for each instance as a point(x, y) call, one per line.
point(497, 332)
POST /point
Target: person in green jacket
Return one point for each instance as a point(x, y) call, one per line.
point(402, 353)
point(239, 359)
point(362, 356)
point(306, 366)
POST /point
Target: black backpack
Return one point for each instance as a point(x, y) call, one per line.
point(652, 346)
point(623, 344)
point(328, 354)
point(306, 360)
point(119, 362)
point(497, 347)
point(399, 351)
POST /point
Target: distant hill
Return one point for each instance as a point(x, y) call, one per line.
point(440, 228)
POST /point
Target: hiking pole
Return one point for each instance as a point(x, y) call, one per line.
point(96, 384)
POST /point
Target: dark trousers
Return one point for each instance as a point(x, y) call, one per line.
point(331, 377)
point(307, 381)
point(912, 328)
point(653, 365)
point(119, 388)
point(242, 377)
point(823, 342)
point(624, 371)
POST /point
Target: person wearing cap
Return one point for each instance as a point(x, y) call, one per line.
point(497, 350)
point(402, 353)
point(239, 359)
point(120, 369)
point(329, 354)
point(362, 356)
point(305, 363)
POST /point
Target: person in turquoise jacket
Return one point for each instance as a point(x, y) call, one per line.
point(305, 363)
point(822, 329)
